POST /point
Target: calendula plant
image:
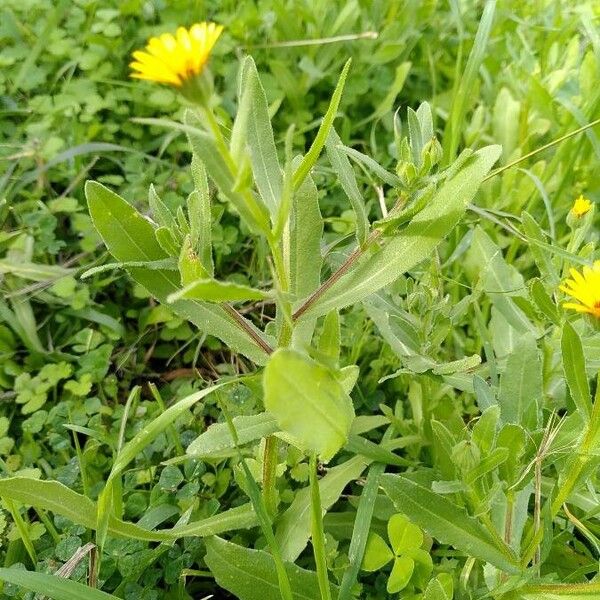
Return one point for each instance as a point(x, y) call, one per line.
point(481, 500)
point(306, 393)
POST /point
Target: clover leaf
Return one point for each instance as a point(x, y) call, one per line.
point(411, 562)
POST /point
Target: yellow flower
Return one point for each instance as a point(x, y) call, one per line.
point(174, 59)
point(581, 206)
point(585, 288)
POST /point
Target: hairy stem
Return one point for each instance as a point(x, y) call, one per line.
point(269, 474)
point(317, 532)
point(245, 326)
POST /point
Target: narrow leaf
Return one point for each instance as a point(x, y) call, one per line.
point(314, 151)
point(211, 290)
point(575, 374)
point(413, 244)
point(343, 169)
point(52, 586)
point(446, 521)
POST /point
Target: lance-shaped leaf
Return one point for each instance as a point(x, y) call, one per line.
point(219, 168)
point(251, 574)
point(447, 522)
point(521, 384)
point(309, 160)
point(211, 290)
point(575, 373)
point(130, 237)
point(413, 244)
point(343, 169)
point(308, 402)
point(61, 500)
point(253, 128)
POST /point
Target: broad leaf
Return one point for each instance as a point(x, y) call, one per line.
point(377, 553)
point(308, 402)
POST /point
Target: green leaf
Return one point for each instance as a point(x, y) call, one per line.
point(521, 385)
point(447, 522)
point(308, 402)
point(306, 231)
point(413, 244)
point(385, 176)
point(217, 438)
point(52, 586)
point(131, 238)
point(206, 150)
point(403, 534)
point(211, 290)
point(258, 135)
point(198, 207)
point(543, 301)
point(343, 169)
point(401, 573)
point(574, 591)
point(251, 575)
point(500, 281)
point(463, 94)
point(440, 588)
point(360, 531)
point(314, 151)
point(160, 211)
point(190, 267)
point(33, 271)
point(293, 527)
point(541, 255)
point(61, 500)
point(575, 374)
point(168, 264)
point(329, 341)
point(377, 553)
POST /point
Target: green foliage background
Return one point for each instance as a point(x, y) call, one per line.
point(71, 349)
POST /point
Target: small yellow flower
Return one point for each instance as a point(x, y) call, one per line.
point(174, 59)
point(585, 288)
point(581, 207)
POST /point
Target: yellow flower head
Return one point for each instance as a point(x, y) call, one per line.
point(581, 207)
point(174, 59)
point(585, 288)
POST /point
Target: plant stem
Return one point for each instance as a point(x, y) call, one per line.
point(336, 275)
point(574, 469)
point(318, 534)
point(562, 138)
point(269, 474)
point(260, 509)
point(375, 235)
point(244, 326)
